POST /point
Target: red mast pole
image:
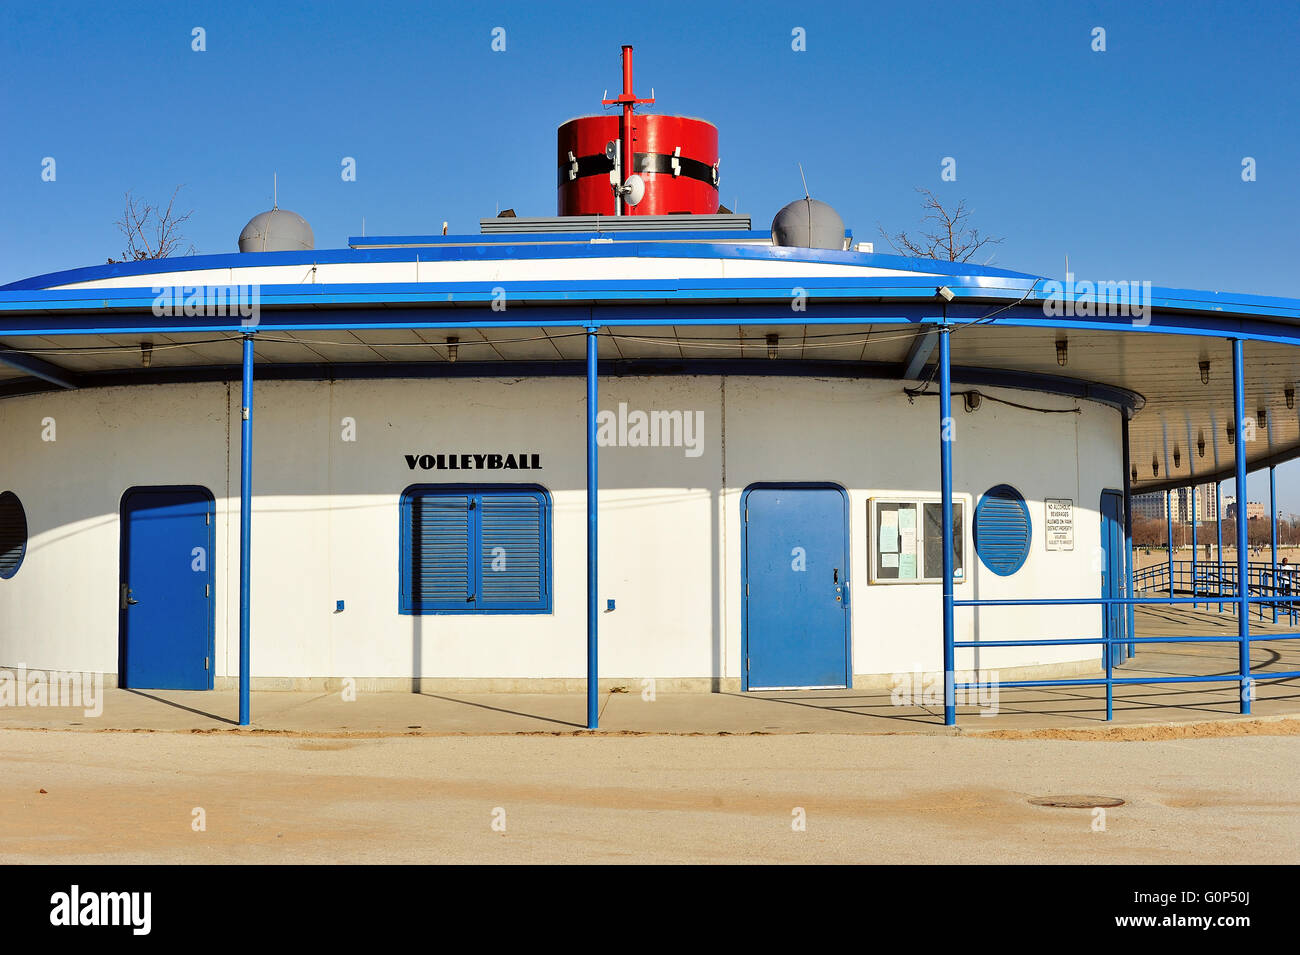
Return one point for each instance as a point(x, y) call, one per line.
point(628, 98)
point(628, 101)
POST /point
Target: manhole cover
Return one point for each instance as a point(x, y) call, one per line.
point(1075, 801)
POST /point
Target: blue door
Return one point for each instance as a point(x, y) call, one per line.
point(796, 588)
point(165, 595)
point(1112, 570)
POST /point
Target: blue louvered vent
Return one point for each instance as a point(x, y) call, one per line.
point(13, 534)
point(1002, 530)
point(475, 550)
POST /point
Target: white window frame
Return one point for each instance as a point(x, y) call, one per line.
point(917, 500)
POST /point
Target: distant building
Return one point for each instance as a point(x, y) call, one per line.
point(1153, 505)
point(1149, 505)
point(1206, 504)
point(1255, 510)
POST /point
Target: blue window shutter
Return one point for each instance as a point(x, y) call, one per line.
point(440, 547)
point(475, 549)
point(1002, 530)
point(512, 550)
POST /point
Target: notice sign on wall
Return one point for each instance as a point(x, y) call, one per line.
point(1059, 523)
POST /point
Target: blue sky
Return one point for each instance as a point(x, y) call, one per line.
point(1128, 161)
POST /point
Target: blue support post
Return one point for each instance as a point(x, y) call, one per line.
point(946, 437)
point(1169, 531)
point(1130, 611)
point(1272, 523)
point(245, 529)
point(1193, 546)
point(1218, 515)
point(1243, 579)
point(593, 616)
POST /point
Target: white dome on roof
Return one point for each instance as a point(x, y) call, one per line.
point(808, 224)
point(277, 230)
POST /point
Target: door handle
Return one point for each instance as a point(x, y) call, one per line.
point(126, 597)
point(835, 576)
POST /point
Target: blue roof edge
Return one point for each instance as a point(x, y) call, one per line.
point(968, 288)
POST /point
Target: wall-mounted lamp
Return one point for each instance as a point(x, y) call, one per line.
point(771, 345)
point(1133, 474)
point(1178, 457)
point(1062, 351)
point(1232, 432)
point(944, 293)
point(1155, 465)
point(1200, 443)
point(146, 353)
point(1290, 397)
point(1261, 417)
point(453, 348)
point(971, 400)
point(1205, 372)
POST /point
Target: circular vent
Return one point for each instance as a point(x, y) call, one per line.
point(13, 534)
point(1002, 530)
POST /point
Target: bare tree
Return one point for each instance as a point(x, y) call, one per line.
point(1148, 532)
point(151, 232)
point(949, 235)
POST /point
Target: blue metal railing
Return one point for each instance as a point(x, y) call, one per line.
point(1218, 585)
point(1123, 639)
point(1263, 584)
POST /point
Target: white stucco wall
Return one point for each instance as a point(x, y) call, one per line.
point(326, 519)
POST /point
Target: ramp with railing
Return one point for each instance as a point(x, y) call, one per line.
point(1218, 584)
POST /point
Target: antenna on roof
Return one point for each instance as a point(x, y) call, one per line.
point(363, 225)
point(275, 190)
point(805, 182)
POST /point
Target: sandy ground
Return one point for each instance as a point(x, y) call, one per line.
point(125, 798)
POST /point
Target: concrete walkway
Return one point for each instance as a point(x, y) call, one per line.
point(1060, 711)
